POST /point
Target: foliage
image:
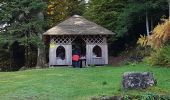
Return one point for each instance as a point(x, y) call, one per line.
point(161, 34)
point(32, 56)
point(4, 60)
point(58, 10)
point(11, 59)
point(137, 54)
point(160, 56)
point(104, 12)
point(147, 96)
point(127, 18)
point(132, 18)
point(143, 41)
point(24, 19)
point(159, 41)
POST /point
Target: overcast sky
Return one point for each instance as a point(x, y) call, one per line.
point(86, 1)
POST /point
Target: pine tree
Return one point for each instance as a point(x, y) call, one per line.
point(104, 12)
point(137, 12)
point(25, 22)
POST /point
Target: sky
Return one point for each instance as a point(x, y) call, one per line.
point(86, 1)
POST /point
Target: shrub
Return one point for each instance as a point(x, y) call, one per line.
point(160, 56)
point(160, 42)
point(139, 53)
point(143, 41)
point(147, 96)
point(160, 34)
point(14, 58)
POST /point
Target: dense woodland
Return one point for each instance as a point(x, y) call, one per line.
point(142, 28)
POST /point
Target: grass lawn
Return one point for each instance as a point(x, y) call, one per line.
point(75, 84)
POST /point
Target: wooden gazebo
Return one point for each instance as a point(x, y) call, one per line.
point(77, 32)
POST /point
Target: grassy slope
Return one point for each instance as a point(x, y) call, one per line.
point(74, 84)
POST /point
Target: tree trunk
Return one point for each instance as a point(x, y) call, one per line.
point(169, 7)
point(41, 55)
point(152, 23)
point(41, 58)
point(147, 24)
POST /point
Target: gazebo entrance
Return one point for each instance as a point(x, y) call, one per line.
point(79, 48)
point(79, 45)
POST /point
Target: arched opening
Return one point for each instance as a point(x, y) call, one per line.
point(60, 52)
point(97, 51)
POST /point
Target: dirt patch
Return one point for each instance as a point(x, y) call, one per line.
point(116, 61)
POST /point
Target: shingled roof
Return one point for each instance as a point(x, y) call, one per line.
point(77, 25)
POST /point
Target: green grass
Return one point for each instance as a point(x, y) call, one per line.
point(75, 84)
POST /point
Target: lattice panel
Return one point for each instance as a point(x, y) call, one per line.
point(62, 39)
point(94, 39)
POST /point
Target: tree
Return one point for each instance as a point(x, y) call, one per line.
point(138, 12)
point(105, 12)
point(127, 18)
point(169, 6)
point(58, 10)
point(24, 24)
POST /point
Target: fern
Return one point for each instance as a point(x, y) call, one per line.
point(143, 41)
point(161, 34)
